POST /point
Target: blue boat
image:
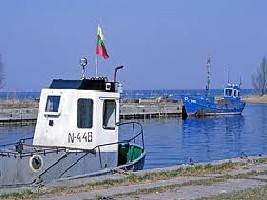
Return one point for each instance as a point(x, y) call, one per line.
point(206, 105)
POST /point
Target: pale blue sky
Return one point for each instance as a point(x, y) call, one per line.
point(163, 44)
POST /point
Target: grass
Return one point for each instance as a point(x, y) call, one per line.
point(26, 194)
point(206, 169)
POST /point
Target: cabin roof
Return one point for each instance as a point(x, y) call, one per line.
point(84, 84)
point(232, 86)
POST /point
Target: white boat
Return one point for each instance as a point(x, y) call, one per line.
point(76, 135)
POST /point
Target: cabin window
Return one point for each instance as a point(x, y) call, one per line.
point(228, 92)
point(52, 103)
point(109, 114)
point(235, 94)
point(85, 113)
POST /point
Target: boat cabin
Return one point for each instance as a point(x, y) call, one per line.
point(232, 90)
point(78, 114)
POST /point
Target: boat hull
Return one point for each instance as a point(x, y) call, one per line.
point(204, 106)
point(46, 165)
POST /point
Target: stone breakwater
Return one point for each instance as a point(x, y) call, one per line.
point(16, 112)
point(255, 99)
point(25, 112)
point(18, 116)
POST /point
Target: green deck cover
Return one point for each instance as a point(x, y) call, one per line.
point(133, 153)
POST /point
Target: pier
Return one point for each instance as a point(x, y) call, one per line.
point(150, 108)
point(140, 108)
point(18, 116)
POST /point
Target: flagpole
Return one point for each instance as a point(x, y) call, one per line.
point(96, 63)
point(96, 58)
point(100, 48)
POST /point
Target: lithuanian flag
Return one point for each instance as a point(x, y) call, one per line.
point(100, 46)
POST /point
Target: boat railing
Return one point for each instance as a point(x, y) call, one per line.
point(21, 152)
point(24, 140)
point(21, 141)
point(136, 134)
point(139, 133)
point(22, 149)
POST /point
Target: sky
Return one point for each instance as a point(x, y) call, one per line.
point(162, 44)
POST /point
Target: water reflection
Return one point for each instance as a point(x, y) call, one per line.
point(212, 137)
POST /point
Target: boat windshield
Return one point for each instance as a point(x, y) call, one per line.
point(228, 92)
point(85, 113)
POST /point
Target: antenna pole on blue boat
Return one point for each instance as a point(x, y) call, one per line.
point(208, 76)
point(228, 76)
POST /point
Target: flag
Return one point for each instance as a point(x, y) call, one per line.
point(100, 46)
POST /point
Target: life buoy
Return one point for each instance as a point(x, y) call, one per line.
point(36, 163)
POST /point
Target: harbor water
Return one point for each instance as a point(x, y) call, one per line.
point(173, 141)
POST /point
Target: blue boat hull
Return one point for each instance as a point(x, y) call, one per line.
point(206, 106)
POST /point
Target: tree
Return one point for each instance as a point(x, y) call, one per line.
point(259, 78)
point(2, 77)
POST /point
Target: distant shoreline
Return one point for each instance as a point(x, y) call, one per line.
point(255, 98)
point(33, 103)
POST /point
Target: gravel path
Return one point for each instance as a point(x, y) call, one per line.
point(179, 187)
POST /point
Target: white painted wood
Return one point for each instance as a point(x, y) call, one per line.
point(60, 128)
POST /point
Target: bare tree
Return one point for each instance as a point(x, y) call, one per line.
point(2, 76)
point(259, 78)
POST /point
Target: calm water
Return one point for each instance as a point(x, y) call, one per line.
point(173, 141)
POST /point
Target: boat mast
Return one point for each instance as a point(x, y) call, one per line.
point(208, 76)
point(228, 76)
